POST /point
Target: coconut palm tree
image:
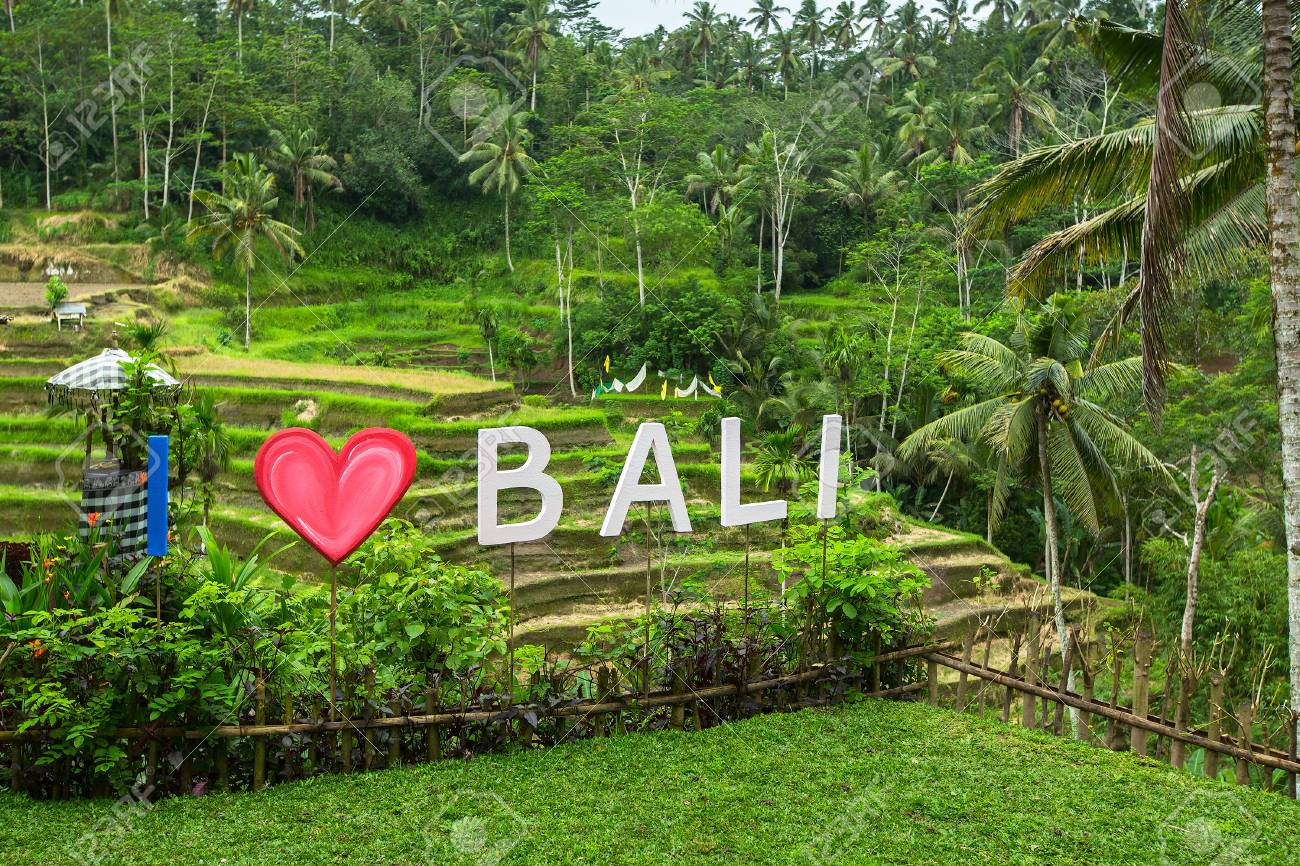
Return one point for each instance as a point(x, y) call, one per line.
point(842, 30)
point(951, 13)
point(763, 16)
point(751, 68)
point(1221, 182)
point(1284, 278)
point(532, 36)
point(700, 23)
point(1019, 90)
point(717, 177)
point(240, 219)
point(1001, 12)
point(1047, 420)
point(876, 14)
point(298, 154)
point(240, 8)
point(785, 60)
point(861, 180)
point(501, 150)
point(808, 24)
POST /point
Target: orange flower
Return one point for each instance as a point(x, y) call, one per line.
point(92, 518)
point(67, 596)
point(48, 564)
point(37, 649)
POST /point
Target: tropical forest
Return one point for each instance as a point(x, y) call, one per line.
point(579, 431)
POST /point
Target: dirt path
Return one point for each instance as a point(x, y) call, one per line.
point(18, 295)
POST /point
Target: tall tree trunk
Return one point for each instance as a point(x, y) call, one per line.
point(171, 124)
point(1051, 559)
point(248, 310)
point(509, 259)
point(762, 223)
point(331, 48)
point(1202, 507)
point(568, 316)
point(198, 145)
point(1284, 274)
point(112, 91)
point(144, 152)
point(907, 357)
point(45, 117)
point(640, 264)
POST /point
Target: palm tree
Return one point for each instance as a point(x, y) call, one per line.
point(489, 325)
point(763, 16)
point(861, 180)
point(843, 27)
point(501, 149)
point(1001, 12)
point(240, 8)
point(716, 179)
point(808, 24)
point(876, 14)
point(909, 58)
point(780, 461)
point(1047, 420)
point(786, 60)
point(450, 20)
point(1019, 90)
point(532, 36)
point(700, 21)
point(951, 12)
point(297, 153)
point(750, 66)
point(208, 446)
point(1222, 188)
point(1284, 277)
point(239, 219)
point(955, 127)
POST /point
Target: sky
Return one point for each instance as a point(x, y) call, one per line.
point(637, 17)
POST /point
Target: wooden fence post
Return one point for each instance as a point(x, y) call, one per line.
point(1058, 723)
point(1009, 693)
point(1215, 728)
point(345, 746)
point(1187, 684)
point(1044, 676)
point(432, 734)
point(601, 724)
point(259, 742)
point(1084, 732)
point(1292, 741)
point(395, 736)
point(932, 679)
point(967, 645)
point(1116, 671)
point(1027, 715)
point(1141, 681)
point(1245, 724)
point(988, 649)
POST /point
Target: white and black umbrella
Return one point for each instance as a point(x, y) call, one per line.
point(97, 378)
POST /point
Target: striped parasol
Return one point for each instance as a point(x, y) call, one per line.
point(96, 378)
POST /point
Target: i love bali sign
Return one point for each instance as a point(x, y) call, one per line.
point(336, 500)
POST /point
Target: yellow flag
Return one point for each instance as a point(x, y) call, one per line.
point(607, 363)
point(713, 383)
point(718, 388)
point(663, 392)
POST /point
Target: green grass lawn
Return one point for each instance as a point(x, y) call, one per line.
point(879, 782)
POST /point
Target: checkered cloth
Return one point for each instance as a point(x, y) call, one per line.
point(118, 499)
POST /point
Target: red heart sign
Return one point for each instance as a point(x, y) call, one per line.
point(334, 501)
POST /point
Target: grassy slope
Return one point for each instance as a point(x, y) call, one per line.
point(879, 782)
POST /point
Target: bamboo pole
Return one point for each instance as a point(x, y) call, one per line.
point(967, 645)
point(1116, 670)
point(1141, 682)
point(1008, 694)
point(1027, 714)
point(988, 649)
point(259, 740)
point(1216, 723)
point(1245, 722)
point(1123, 716)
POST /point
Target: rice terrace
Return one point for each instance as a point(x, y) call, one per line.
point(576, 431)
